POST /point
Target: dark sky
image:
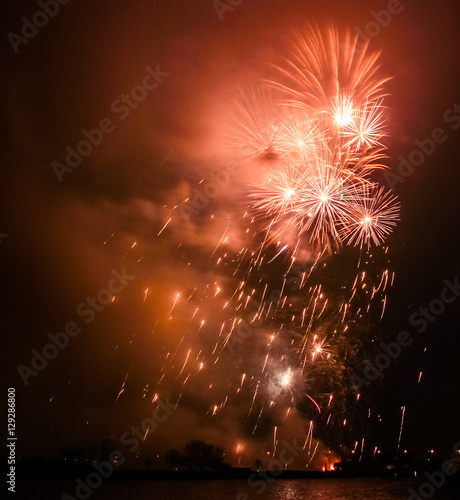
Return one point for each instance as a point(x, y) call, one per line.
point(64, 239)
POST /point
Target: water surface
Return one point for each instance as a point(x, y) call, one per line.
point(333, 489)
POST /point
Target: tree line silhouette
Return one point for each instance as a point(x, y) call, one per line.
point(197, 456)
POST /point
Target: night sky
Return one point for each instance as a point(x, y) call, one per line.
point(64, 237)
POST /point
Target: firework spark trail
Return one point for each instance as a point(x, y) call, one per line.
point(174, 303)
point(362, 450)
point(314, 402)
point(275, 441)
point(122, 388)
point(164, 227)
point(146, 292)
point(143, 440)
point(185, 362)
point(312, 455)
point(279, 253)
point(258, 420)
point(309, 438)
point(218, 338)
point(222, 238)
point(383, 308)
point(254, 398)
point(403, 410)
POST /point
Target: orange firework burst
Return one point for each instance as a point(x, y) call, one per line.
point(366, 128)
point(374, 216)
point(255, 131)
point(326, 138)
point(321, 69)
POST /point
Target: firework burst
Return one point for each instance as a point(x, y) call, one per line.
point(365, 129)
point(330, 143)
point(374, 215)
point(256, 125)
point(322, 68)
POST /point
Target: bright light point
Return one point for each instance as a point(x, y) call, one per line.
point(344, 120)
point(343, 111)
point(286, 378)
point(324, 198)
point(289, 193)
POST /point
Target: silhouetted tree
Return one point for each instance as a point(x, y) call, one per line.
point(183, 461)
point(173, 458)
point(201, 456)
point(97, 451)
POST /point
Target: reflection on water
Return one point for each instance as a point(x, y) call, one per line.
point(331, 489)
